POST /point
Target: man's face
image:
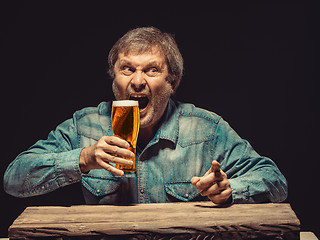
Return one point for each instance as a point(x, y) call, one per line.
point(142, 77)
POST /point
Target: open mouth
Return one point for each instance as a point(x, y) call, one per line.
point(143, 101)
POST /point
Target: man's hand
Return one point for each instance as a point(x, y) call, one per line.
point(107, 149)
point(214, 184)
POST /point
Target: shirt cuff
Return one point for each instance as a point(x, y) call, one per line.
point(240, 192)
point(67, 167)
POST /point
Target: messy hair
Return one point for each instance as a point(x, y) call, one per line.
point(144, 39)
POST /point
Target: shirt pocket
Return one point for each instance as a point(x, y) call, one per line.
point(183, 191)
point(101, 185)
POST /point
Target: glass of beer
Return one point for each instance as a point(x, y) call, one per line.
point(125, 125)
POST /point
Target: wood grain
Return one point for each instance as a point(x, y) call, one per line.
point(195, 220)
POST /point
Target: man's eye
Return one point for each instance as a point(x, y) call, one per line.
point(127, 70)
point(152, 71)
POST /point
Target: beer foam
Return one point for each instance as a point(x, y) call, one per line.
point(125, 103)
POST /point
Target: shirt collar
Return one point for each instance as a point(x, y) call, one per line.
point(169, 129)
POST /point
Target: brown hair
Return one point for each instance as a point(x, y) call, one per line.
point(142, 40)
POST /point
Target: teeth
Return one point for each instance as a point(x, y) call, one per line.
point(143, 100)
point(138, 96)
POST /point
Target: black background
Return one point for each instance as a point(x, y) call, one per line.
point(254, 63)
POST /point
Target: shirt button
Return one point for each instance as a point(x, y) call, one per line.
point(187, 195)
point(43, 187)
point(98, 190)
point(70, 180)
point(141, 191)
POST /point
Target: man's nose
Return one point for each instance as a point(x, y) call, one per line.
point(138, 82)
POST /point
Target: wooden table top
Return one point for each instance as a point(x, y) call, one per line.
point(193, 220)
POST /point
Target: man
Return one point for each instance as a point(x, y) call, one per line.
point(184, 153)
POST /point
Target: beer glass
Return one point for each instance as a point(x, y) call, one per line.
point(125, 125)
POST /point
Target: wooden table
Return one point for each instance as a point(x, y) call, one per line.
point(194, 220)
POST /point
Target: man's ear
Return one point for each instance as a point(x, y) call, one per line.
point(174, 86)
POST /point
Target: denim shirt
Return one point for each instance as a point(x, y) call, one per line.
point(183, 147)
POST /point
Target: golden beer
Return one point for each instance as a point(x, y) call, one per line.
point(125, 125)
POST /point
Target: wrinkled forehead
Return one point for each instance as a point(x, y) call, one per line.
point(145, 58)
point(138, 49)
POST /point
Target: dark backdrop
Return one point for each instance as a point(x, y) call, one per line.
point(252, 63)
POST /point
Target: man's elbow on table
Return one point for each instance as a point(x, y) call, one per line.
point(14, 183)
point(9, 185)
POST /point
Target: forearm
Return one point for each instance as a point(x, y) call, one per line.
point(252, 177)
point(47, 165)
point(33, 174)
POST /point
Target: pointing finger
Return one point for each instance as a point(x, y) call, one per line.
point(215, 167)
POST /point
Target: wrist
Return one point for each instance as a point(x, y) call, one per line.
point(83, 160)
